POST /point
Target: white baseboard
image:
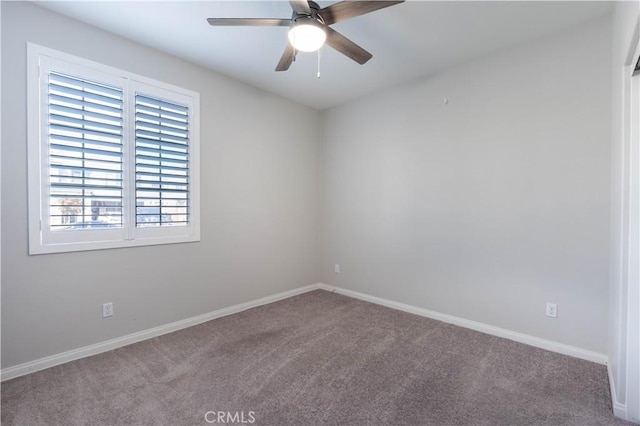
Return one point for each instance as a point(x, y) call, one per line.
point(50, 361)
point(619, 410)
point(64, 357)
point(478, 326)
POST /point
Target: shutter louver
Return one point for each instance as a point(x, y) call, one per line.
point(85, 130)
point(162, 162)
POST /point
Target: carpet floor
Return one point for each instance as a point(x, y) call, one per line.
point(316, 358)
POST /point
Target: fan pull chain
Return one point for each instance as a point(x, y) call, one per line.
point(319, 63)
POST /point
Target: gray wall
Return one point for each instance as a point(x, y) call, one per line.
point(259, 206)
point(486, 207)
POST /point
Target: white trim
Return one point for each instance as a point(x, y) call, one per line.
point(477, 326)
point(72, 355)
point(53, 360)
point(619, 410)
point(632, 400)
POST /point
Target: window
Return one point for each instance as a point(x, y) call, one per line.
point(113, 157)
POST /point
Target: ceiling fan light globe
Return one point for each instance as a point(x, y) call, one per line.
point(307, 37)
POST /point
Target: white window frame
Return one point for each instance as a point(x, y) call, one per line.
point(41, 239)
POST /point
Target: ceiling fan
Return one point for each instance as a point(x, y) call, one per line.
point(309, 27)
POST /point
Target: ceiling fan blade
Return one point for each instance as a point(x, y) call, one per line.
point(347, 47)
point(301, 7)
point(350, 9)
point(286, 59)
point(248, 22)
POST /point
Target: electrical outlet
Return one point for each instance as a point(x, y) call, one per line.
point(336, 268)
point(552, 310)
point(107, 309)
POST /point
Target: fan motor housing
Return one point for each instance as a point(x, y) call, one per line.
point(313, 6)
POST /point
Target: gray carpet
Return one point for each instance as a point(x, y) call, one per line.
point(317, 358)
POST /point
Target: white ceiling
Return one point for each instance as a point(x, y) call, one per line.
point(410, 40)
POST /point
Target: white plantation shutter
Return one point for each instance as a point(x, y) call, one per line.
point(85, 128)
point(113, 157)
point(162, 162)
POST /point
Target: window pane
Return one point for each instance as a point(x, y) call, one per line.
point(85, 154)
point(162, 163)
